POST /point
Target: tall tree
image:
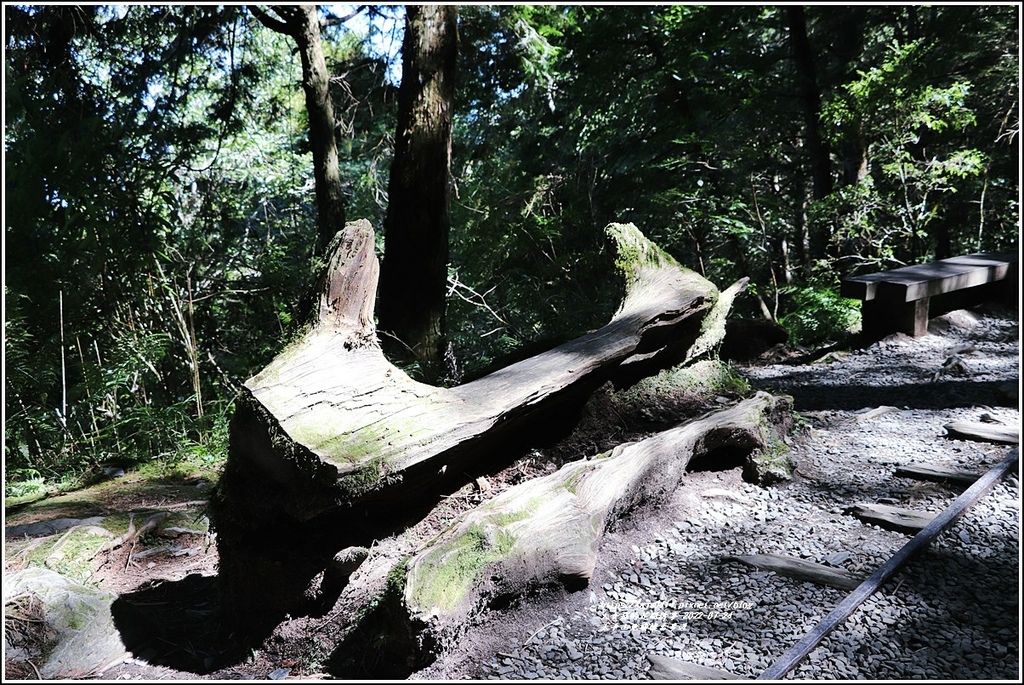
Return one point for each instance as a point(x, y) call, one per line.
point(817, 148)
point(303, 25)
point(414, 271)
point(810, 99)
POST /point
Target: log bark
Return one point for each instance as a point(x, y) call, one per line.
point(331, 443)
point(414, 273)
point(547, 531)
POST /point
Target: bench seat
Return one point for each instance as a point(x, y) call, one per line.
point(900, 300)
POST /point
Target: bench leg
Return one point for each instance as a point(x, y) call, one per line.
point(880, 318)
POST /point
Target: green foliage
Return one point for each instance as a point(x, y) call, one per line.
point(160, 221)
point(160, 210)
point(818, 315)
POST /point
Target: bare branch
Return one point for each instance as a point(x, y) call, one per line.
point(332, 20)
point(270, 22)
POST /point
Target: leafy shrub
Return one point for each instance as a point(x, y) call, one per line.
point(818, 316)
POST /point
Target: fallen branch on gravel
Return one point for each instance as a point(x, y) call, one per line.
point(891, 518)
point(665, 668)
point(936, 475)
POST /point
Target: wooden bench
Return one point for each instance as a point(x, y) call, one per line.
point(900, 300)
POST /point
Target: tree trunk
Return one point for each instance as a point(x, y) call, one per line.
point(812, 246)
point(845, 31)
point(414, 273)
point(302, 24)
point(332, 446)
point(810, 100)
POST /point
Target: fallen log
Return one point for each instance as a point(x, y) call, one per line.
point(331, 443)
point(546, 532)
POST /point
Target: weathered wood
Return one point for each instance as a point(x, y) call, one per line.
point(666, 668)
point(801, 569)
point(898, 300)
point(346, 424)
point(891, 518)
point(986, 432)
point(547, 531)
point(936, 475)
point(785, 663)
point(875, 413)
point(331, 430)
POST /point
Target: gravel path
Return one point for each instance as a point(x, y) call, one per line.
point(952, 613)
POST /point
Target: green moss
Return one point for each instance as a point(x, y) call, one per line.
point(363, 479)
point(772, 464)
point(510, 517)
point(71, 554)
point(448, 572)
point(572, 482)
point(633, 251)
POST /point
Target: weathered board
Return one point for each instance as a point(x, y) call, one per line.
point(801, 569)
point(891, 518)
point(936, 475)
point(667, 668)
point(985, 432)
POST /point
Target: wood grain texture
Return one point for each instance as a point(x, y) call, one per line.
point(801, 569)
point(359, 424)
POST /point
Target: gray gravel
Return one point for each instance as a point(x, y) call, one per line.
point(952, 613)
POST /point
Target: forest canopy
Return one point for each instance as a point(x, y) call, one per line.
point(161, 223)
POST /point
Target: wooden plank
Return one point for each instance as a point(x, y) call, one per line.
point(947, 275)
point(842, 611)
point(891, 518)
point(936, 475)
point(666, 668)
point(986, 432)
point(801, 569)
point(919, 281)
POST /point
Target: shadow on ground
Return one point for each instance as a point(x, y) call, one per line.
point(943, 395)
point(175, 624)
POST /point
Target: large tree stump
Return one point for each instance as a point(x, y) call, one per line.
point(330, 444)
